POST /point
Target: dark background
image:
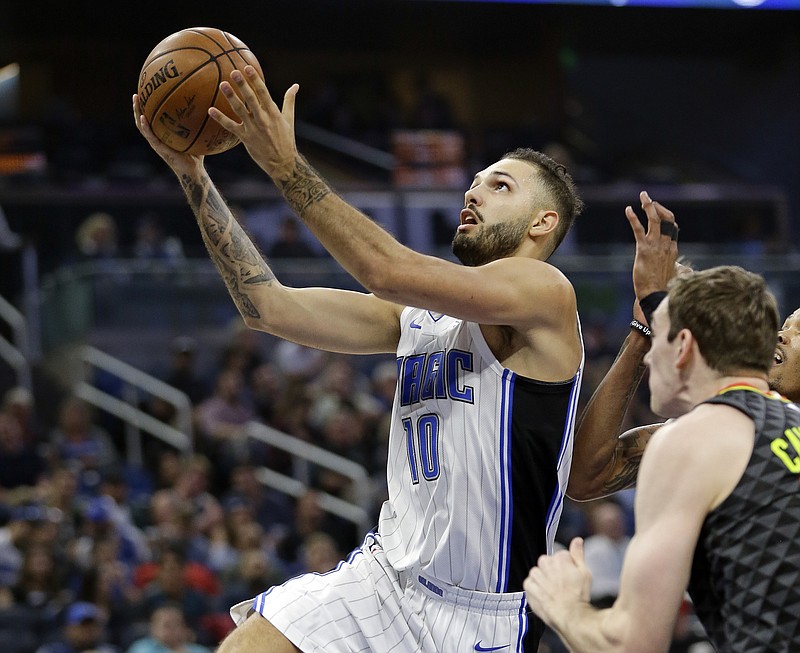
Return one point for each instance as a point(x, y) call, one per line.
point(639, 95)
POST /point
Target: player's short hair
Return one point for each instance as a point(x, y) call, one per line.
point(559, 188)
point(731, 313)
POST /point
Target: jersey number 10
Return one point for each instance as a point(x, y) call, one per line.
point(422, 445)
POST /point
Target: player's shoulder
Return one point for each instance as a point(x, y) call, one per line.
point(540, 267)
point(705, 428)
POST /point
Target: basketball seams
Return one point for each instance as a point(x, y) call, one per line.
point(202, 47)
point(183, 48)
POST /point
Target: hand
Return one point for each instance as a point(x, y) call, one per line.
point(266, 131)
point(179, 162)
point(558, 584)
point(656, 252)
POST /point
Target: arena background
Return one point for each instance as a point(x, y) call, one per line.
point(699, 105)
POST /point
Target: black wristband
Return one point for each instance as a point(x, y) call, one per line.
point(650, 303)
point(641, 328)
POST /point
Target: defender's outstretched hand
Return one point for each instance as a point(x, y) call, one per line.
point(656, 247)
point(266, 131)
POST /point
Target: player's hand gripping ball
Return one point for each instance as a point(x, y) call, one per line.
point(180, 81)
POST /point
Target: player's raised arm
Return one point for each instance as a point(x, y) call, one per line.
point(364, 323)
point(603, 462)
point(497, 288)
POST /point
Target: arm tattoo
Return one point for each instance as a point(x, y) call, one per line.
point(303, 187)
point(237, 259)
point(628, 457)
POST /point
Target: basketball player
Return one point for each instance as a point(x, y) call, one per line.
point(610, 463)
point(489, 360)
point(718, 501)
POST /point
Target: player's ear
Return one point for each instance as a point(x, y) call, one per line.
point(543, 223)
point(686, 347)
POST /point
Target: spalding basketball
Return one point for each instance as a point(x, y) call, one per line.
point(180, 81)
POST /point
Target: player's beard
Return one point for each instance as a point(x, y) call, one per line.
point(492, 242)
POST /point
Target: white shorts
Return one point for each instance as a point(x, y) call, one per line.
point(366, 605)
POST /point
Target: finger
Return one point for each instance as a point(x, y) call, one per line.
point(576, 552)
point(242, 98)
point(144, 126)
point(668, 228)
point(650, 211)
point(663, 212)
point(224, 121)
point(253, 92)
point(288, 104)
point(635, 223)
point(259, 87)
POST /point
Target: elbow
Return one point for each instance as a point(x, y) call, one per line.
point(587, 481)
point(583, 491)
point(252, 322)
point(381, 279)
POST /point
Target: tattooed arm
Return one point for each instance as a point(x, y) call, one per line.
point(603, 463)
point(497, 293)
point(363, 324)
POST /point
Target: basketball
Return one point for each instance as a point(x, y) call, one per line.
point(180, 81)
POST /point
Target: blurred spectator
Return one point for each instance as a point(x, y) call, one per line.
point(41, 585)
point(59, 490)
point(290, 242)
point(169, 633)
point(266, 386)
point(83, 632)
point(298, 363)
point(383, 384)
point(170, 520)
point(183, 373)
point(320, 552)
point(243, 352)
point(20, 404)
point(341, 384)
point(168, 468)
point(254, 574)
point(220, 421)
point(270, 508)
point(108, 519)
point(175, 581)
point(14, 534)
point(311, 518)
point(21, 464)
point(605, 550)
point(192, 489)
point(97, 237)
point(343, 434)
point(239, 532)
point(108, 583)
point(77, 438)
point(152, 244)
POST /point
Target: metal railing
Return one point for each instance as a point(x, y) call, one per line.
point(135, 382)
point(15, 352)
point(357, 512)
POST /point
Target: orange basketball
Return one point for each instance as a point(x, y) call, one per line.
point(180, 81)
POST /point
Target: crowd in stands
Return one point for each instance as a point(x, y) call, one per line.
point(100, 553)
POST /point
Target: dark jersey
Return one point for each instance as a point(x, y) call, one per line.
point(745, 581)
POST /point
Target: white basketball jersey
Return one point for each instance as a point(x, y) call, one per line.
point(478, 458)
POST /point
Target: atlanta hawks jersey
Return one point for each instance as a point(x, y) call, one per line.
point(745, 580)
point(478, 459)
